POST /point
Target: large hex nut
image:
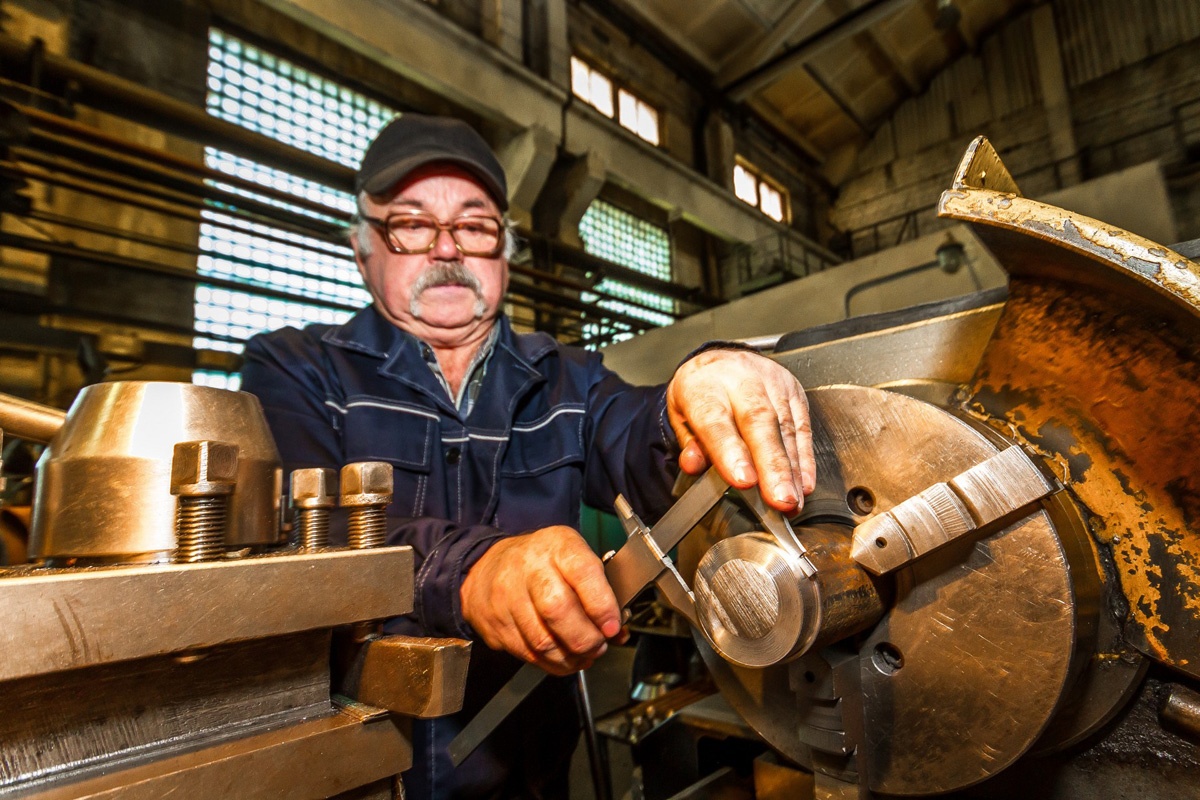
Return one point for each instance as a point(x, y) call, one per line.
point(204, 469)
point(367, 483)
point(314, 488)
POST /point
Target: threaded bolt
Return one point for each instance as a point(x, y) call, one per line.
point(203, 476)
point(367, 491)
point(313, 494)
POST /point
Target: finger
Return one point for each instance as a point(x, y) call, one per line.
point(583, 572)
point(804, 443)
point(787, 432)
point(692, 459)
point(718, 436)
point(760, 427)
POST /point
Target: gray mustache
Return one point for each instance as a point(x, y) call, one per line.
point(446, 273)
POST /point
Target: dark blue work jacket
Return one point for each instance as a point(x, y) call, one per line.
point(551, 427)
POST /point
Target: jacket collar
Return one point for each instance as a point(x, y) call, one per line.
point(511, 372)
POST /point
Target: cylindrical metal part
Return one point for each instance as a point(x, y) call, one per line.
point(757, 607)
point(26, 419)
point(128, 429)
point(203, 475)
point(313, 495)
point(200, 529)
point(1180, 711)
point(367, 491)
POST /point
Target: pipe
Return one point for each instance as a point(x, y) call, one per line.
point(28, 420)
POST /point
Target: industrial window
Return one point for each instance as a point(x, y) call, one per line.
point(275, 97)
point(616, 235)
point(596, 89)
point(755, 188)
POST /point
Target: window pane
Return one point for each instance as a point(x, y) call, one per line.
point(771, 202)
point(601, 94)
point(745, 185)
point(629, 110)
point(286, 102)
point(581, 79)
point(615, 234)
point(647, 123)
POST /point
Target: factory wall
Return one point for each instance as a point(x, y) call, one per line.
point(1131, 74)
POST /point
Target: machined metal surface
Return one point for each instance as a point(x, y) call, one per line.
point(962, 648)
point(1093, 365)
point(314, 494)
point(367, 491)
point(413, 676)
point(998, 487)
point(309, 760)
point(104, 485)
point(203, 475)
point(73, 618)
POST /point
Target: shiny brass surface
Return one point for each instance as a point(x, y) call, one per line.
point(104, 484)
point(413, 676)
point(1095, 365)
point(314, 494)
point(26, 419)
point(367, 491)
point(68, 619)
point(313, 759)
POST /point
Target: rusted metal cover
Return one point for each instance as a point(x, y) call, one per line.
point(1095, 364)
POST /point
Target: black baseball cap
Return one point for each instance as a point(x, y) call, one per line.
point(413, 140)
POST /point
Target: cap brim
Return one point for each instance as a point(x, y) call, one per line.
point(389, 176)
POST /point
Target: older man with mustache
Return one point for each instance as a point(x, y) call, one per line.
point(496, 438)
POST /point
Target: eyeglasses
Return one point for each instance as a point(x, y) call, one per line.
point(410, 234)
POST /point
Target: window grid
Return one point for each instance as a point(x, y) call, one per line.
point(616, 235)
point(277, 98)
point(752, 186)
point(596, 89)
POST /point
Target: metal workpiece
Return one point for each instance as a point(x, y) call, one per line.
point(314, 494)
point(104, 485)
point(409, 675)
point(367, 492)
point(757, 605)
point(1180, 710)
point(1002, 485)
point(70, 619)
point(1092, 367)
point(203, 475)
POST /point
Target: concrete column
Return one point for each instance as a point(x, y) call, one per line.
point(557, 44)
point(527, 159)
point(1055, 95)
point(582, 183)
point(722, 151)
point(503, 25)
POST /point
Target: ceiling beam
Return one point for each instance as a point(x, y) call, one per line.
point(885, 50)
point(752, 53)
point(837, 99)
point(855, 22)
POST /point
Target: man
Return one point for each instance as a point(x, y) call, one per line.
point(496, 438)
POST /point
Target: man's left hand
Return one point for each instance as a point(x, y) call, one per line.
point(748, 416)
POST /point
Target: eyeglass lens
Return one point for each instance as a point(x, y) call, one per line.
point(417, 232)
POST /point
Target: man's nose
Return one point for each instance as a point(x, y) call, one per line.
point(444, 248)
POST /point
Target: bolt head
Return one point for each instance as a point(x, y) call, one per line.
point(204, 468)
point(367, 483)
point(314, 488)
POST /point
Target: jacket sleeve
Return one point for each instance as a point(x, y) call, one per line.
point(630, 448)
point(300, 395)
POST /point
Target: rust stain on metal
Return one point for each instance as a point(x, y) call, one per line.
point(1115, 396)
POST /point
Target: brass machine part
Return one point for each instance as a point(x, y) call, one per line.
point(203, 476)
point(414, 676)
point(26, 419)
point(367, 491)
point(125, 433)
point(314, 494)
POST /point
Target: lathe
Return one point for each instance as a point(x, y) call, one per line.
point(993, 590)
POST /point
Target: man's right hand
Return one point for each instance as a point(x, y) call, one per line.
point(543, 598)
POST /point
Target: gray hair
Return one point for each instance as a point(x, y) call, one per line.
point(358, 231)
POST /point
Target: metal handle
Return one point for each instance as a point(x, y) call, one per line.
point(26, 419)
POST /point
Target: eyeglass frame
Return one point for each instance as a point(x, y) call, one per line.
point(448, 227)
